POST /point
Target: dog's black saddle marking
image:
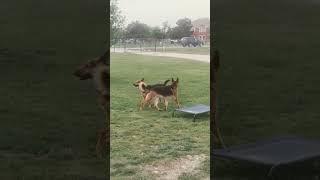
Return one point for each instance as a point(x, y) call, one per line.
point(149, 87)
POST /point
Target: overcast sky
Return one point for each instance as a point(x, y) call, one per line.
point(155, 12)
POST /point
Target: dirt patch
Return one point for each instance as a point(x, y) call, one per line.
point(172, 169)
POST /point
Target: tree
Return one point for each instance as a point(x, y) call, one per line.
point(183, 29)
point(137, 30)
point(165, 28)
point(116, 20)
point(174, 33)
point(157, 33)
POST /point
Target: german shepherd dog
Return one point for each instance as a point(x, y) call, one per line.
point(145, 89)
point(98, 70)
point(164, 92)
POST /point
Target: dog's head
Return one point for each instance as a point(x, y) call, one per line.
point(141, 85)
point(174, 83)
point(86, 70)
point(136, 84)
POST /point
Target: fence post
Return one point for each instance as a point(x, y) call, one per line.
point(163, 46)
point(155, 45)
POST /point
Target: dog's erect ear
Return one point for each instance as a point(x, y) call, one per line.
point(142, 79)
point(177, 79)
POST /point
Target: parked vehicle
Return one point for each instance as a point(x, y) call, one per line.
point(187, 41)
point(174, 41)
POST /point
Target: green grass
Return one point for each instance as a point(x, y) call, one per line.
point(190, 50)
point(139, 138)
point(49, 119)
point(268, 81)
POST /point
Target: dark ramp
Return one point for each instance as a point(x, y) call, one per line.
point(194, 110)
point(275, 152)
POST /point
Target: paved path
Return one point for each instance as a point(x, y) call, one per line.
point(196, 57)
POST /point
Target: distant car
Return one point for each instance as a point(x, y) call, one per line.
point(187, 41)
point(130, 41)
point(174, 41)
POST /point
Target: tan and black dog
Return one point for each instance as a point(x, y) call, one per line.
point(98, 70)
point(145, 89)
point(164, 92)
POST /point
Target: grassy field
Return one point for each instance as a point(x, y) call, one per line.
point(190, 50)
point(268, 82)
point(49, 119)
point(141, 138)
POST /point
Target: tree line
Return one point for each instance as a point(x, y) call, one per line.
point(137, 29)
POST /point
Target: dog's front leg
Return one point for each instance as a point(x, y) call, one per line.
point(140, 103)
point(177, 102)
point(146, 100)
point(175, 98)
point(143, 103)
point(166, 103)
point(102, 142)
point(156, 102)
point(103, 136)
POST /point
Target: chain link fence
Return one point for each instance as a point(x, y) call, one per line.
point(148, 45)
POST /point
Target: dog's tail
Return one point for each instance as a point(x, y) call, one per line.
point(166, 82)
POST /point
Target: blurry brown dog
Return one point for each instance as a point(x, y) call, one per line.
point(164, 92)
point(98, 70)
